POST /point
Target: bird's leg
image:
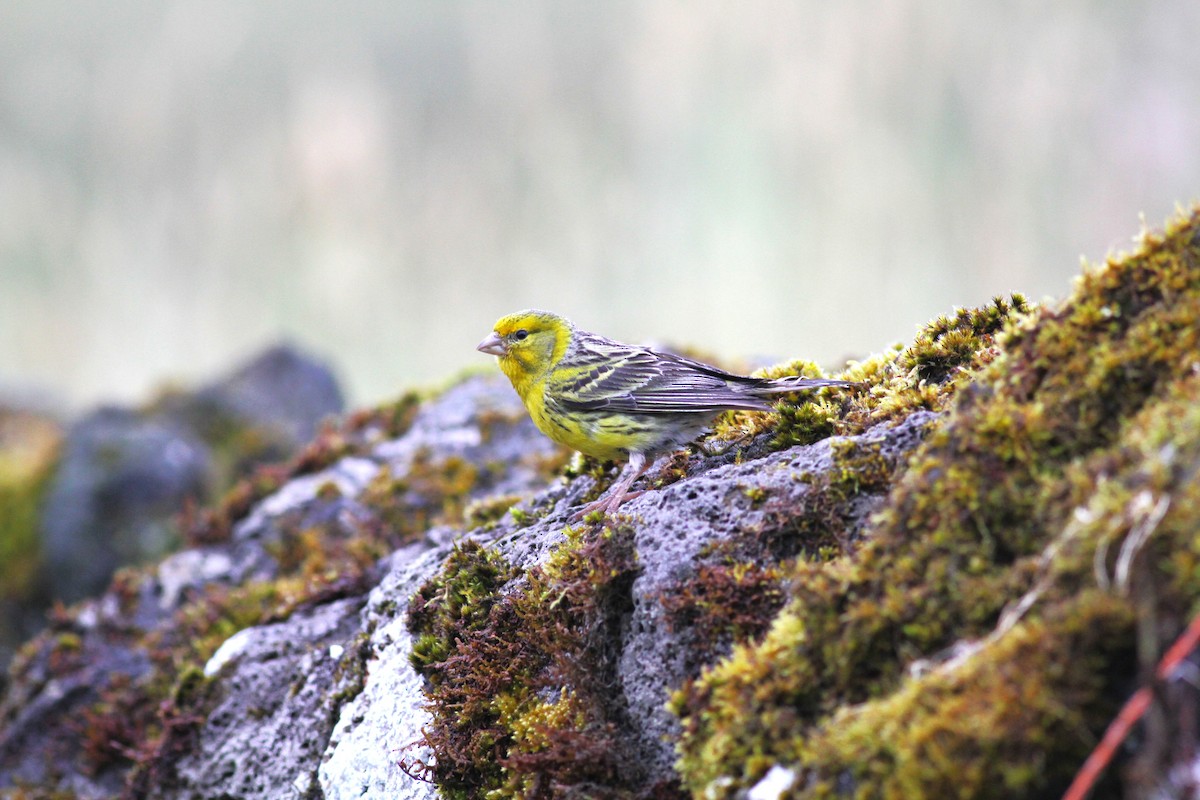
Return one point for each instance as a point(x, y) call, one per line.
point(619, 492)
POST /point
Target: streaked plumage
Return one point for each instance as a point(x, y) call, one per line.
point(611, 400)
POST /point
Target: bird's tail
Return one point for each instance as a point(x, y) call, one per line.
point(797, 383)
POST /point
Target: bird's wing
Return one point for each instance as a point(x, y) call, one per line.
point(603, 375)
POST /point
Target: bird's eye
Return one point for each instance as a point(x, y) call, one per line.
point(521, 334)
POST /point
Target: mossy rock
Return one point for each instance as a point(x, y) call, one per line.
point(979, 641)
point(943, 583)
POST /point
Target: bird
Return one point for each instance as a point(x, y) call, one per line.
point(612, 400)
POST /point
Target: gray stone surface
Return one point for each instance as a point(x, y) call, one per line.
point(383, 723)
point(278, 701)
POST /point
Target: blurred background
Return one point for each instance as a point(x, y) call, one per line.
point(184, 183)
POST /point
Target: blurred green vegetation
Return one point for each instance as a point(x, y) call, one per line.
point(182, 182)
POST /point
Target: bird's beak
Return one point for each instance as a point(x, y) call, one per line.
point(492, 345)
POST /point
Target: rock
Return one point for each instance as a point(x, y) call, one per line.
point(125, 474)
point(119, 482)
point(100, 663)
point(681, 528)
point(382, 724)
point(282, 391)
point(274, 706)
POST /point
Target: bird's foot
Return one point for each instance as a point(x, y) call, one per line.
point(619, 492)
point(605, 505)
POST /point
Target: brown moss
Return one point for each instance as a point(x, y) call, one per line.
point(24, 792)
point(178, 724)
point(144, 724)
point(113, 729)
point(725, 604)
point(357, 434)
point(516, 676)
point(454, 603)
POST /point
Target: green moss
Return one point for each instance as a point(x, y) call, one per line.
point(446, 616)
point(487, 511)
point(859, 468)
point(28, 453)
point(1048, 455)
point(66, 652)
point(925, 375)
point(946, 355)
point(455, 603)
point(755, 494)
point(804, 424)
point(601, 472)
point(949, 344)
point(351, 672)
point(1009, 722)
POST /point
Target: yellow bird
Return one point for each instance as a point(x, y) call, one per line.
point(612, 400)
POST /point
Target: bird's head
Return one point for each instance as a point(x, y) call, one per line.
point(528, 343)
